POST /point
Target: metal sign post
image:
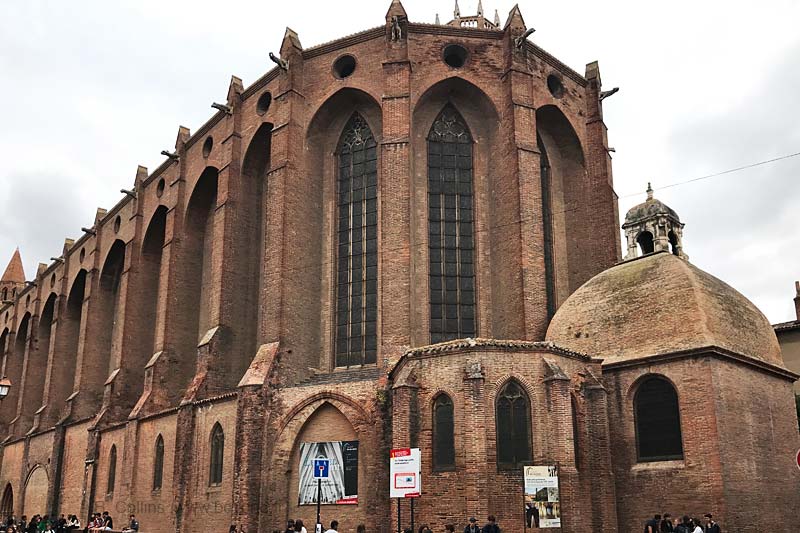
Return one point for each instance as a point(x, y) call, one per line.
point(322, 469)
point(412, 515)
point(405, 475)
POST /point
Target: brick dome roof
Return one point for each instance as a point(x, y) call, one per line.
point(657, 304)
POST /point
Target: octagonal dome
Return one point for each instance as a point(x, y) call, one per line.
point(657, 304)
point(649, 209)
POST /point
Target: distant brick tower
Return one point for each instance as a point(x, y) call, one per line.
point(13, 278)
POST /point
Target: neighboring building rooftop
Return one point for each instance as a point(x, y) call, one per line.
point(791, 324)
point(657, 304)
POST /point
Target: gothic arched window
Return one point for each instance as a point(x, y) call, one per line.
point(657, 420)
point(158, 463)
point(444, 453)
point(513, 426)
point(451, 241)
point(112, 469)
point(217, 451)
point(357, 256)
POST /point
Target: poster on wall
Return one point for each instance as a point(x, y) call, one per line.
point(542, 503)
point(341, 486)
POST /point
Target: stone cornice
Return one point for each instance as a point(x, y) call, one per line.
point(485, 345)
point(344, 42)
point(555, 63)
point(205, 128)
point(260, 83)
point(787, 326)
point(706, 351)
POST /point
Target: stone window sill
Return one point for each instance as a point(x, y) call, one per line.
point(675, 464)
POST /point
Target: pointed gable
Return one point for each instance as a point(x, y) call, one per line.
point(14, 273)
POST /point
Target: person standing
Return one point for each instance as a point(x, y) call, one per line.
point(334, 527)
point(491, 525)
point(473, 526)
point(666, 524)
point(712, 526)
point(299, 527)
point(684, 526)
point(698, 525)
point(651, 526)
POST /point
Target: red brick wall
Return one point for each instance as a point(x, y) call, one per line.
point(153, 508)
point(758, 441)
point(210, 507)
point(726, 435)
point(72, 479)
point(477, 487)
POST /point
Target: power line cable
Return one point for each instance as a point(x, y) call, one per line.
point(729, 171)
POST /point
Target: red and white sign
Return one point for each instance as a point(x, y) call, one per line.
point(405, 473)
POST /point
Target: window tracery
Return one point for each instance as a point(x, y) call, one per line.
point(513, 426)
point(451, 241)
point(357, 255)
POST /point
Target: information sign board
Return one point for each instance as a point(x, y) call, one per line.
point(542, 502)
point(405, 473)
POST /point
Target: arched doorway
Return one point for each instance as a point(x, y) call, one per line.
point(35, 501)
point(7, 503)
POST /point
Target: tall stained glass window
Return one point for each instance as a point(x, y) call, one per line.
point(451, 239)
point(357, 255)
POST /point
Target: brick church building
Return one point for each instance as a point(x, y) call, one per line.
point(407, 237)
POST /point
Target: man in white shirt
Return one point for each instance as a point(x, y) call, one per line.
point(334, 527)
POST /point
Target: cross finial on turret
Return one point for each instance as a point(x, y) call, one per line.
point(480, 8)
point(496, 18)
point(437, 19)
point(457, 11)
point(649, 191)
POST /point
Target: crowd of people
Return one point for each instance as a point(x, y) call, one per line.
point(661, 524)
point(297, 526)
point(39, 524)
point(64, 524)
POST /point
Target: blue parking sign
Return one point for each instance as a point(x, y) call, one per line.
point(322, 468)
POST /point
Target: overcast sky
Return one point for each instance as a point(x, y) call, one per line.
point(93, 88)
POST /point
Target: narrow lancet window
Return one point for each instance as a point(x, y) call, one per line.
point(451, 241)
point(357, 255)
point(513, 426)
point(444, 454)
